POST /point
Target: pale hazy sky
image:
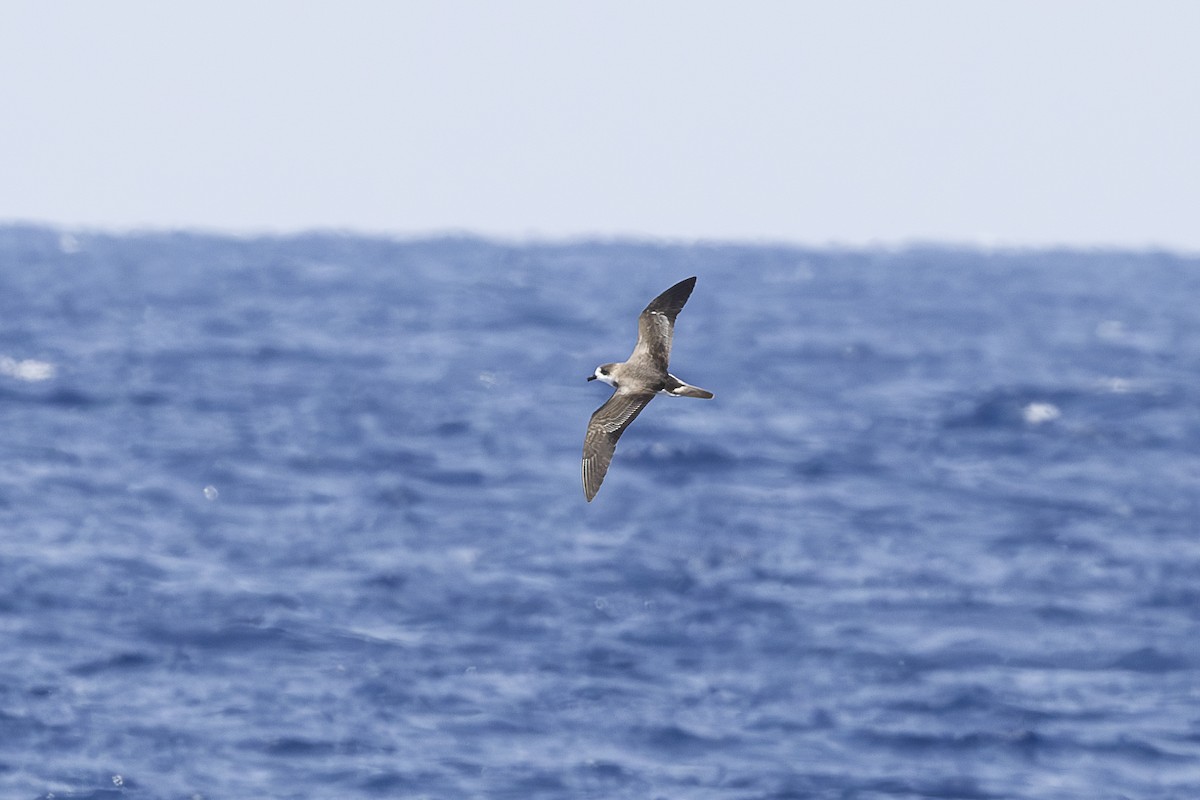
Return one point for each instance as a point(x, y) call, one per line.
point(855, 122)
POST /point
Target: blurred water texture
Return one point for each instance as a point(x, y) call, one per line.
point(300, 517)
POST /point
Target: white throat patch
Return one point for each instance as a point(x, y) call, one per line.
point(602, 377)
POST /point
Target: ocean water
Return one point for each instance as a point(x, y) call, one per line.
point(301, 518)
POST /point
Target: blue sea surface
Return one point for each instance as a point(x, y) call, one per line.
point(301, 517)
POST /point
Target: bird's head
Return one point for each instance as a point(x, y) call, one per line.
point(604, 372)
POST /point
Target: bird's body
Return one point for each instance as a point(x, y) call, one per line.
point(635, 382)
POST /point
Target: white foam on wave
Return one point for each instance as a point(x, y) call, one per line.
point(68, 243)
point(1037, 413)
point(1116, 385)
point(1111, 330)
point(29, 369)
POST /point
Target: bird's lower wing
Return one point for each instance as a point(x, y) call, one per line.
point(607, 424)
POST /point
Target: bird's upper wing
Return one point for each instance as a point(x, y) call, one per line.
point(656, 325)
point(607, 424)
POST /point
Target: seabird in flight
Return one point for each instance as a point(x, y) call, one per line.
point(635, 382)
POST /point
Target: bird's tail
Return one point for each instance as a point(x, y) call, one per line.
point(680, 389)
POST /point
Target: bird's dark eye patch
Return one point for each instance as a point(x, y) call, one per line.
point(603, 371)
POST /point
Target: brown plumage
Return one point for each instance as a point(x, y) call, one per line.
point(635, 382)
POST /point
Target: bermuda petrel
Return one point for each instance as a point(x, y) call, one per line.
point(636, 382)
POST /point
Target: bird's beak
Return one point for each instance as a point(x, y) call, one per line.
point(591, 377)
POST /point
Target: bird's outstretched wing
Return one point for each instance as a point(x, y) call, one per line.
point(656, 325)
point(607, 424)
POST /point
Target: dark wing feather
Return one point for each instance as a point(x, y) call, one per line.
point(607, 424)
point(656, 325)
